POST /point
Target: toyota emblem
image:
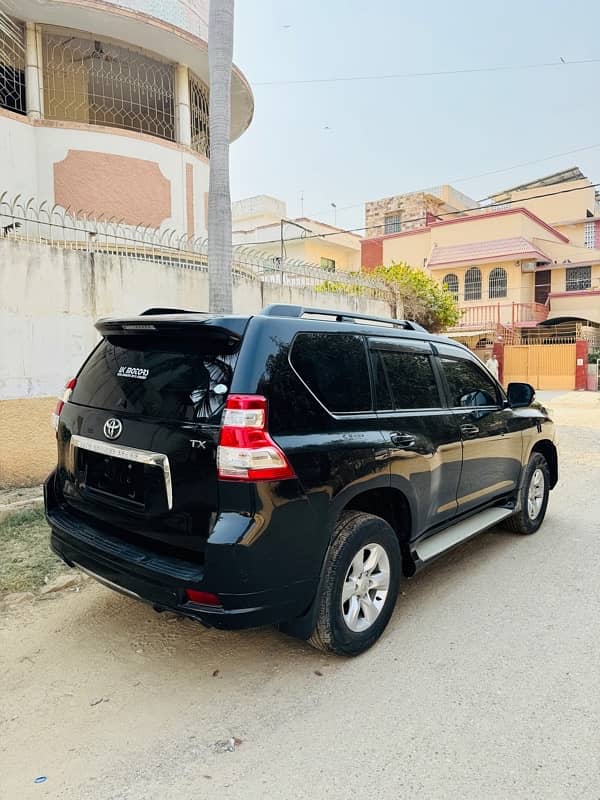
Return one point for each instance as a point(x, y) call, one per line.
point(113, 428)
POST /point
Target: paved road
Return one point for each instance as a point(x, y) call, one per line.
point(486, 685)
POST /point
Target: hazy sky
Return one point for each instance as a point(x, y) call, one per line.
point(359, 140)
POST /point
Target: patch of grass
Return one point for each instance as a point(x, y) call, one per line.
point(25, 555)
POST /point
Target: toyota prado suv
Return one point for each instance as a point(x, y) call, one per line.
point(289, 468)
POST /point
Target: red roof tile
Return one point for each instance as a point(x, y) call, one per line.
point(482, 252)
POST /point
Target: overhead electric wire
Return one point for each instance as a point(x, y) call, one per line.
point(483, 174)
point(444, 214)
point(526, 163)
point(430, 74)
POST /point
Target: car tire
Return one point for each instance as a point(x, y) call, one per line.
point(533, 497)
point(361, 582)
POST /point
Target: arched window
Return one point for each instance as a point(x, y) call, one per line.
point(451, 283)
point(497, 283)
point(473, 284)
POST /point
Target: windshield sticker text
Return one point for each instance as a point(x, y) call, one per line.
point(133, 372)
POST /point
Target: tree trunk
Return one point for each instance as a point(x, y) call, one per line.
point(220, 56)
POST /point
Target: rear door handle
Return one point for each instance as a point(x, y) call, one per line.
point(469, 431)
point(404, 440)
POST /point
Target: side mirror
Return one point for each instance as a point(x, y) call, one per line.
point(520, 395)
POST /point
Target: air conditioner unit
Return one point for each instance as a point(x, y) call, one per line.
point(528, 266)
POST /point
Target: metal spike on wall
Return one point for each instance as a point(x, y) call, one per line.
point(26, 220)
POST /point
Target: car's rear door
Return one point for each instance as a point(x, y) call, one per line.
point(423, 440)
point(137, 439)
point(492, 440)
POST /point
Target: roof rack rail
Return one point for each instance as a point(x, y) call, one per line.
point(284, 310)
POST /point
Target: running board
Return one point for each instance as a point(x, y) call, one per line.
point(446, 539)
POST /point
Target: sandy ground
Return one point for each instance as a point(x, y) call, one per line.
point(486, 684)
point(573, 408)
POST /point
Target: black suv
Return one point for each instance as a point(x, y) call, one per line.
point(286, 468)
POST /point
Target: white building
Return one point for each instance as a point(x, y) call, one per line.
point(262, 221)
point(104, 108)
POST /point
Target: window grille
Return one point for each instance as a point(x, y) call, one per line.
point(328, 264)
point(497, 283)
point(473, 284)
point(392, 223)
point(199, 114)
point(589, 236)
point(102, 83)
point(12, 65)
point(451, 283)
point(578, 278)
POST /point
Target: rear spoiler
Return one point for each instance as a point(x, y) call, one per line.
point(177, 324)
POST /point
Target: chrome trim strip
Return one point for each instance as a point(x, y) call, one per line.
point(110, 584)
point(444, 540)
point(129, 454)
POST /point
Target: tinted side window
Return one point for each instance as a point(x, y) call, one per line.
point(383, 395)
point(334, 367)
point(468, 385)
point(410, 378)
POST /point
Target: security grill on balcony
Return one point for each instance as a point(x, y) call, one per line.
point(102, 83)
point(12, 65)
point(199, 114)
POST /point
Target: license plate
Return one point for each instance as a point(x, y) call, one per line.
point(112, 476)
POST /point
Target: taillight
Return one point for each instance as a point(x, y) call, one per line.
point(246, 452)
point(64, 399)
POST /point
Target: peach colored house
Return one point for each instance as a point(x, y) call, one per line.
point(529, 258)
point(104, 108)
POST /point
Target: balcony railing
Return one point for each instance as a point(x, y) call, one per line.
point(502, 314)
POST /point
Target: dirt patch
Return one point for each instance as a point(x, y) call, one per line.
point(24, 494)
point(26, 561)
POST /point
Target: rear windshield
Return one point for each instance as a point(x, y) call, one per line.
point(181, 380)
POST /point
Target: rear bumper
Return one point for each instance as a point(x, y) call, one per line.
point(162, 580)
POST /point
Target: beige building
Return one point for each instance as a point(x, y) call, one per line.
point(531, 256)
point(262, 222)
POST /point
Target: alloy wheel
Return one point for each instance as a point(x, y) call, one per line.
point(366, 587)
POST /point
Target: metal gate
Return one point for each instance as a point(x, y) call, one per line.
point(545, 366)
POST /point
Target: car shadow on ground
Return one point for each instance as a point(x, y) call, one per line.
point(114, 625)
